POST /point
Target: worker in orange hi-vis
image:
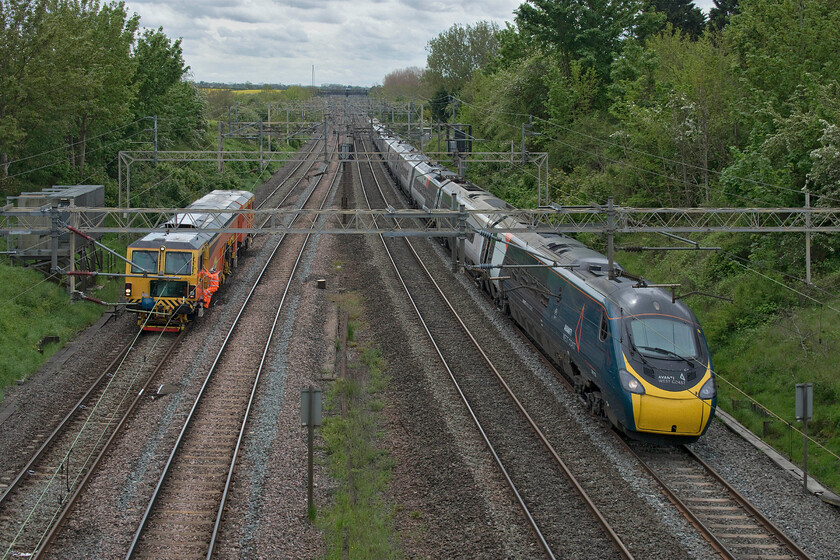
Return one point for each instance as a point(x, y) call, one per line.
point(200, 290)
point(214, 285)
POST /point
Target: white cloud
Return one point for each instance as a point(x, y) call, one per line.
point(355, 42)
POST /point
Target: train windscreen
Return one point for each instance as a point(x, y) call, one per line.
point(178, 263)
point(144, 261)
point(167, 289)
point(661, 337)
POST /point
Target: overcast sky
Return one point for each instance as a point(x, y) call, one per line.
point(350, 42)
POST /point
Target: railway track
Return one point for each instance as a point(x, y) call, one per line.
point(184, 516)
point(294, 177)
point(733, 527)
point(537, 476)
point(727, 521)
point(38, 498)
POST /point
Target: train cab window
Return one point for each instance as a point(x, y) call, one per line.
point(663, 337)
point(177, 262)
point(144, 261)
point(605, 327)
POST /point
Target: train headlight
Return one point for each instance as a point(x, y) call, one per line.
point(630, 383)
point(709, 390)
point(128, 289)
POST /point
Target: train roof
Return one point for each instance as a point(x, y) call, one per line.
point(584, 266)
point(184, 231)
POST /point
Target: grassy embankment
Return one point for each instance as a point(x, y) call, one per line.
point(358, 522)
point(767, 340)
point(33, 308)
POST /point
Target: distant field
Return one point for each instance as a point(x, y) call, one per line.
point(237, 91)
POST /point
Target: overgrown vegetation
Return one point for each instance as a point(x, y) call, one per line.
point(358, 522)
point(34, 308)
point(649, 103)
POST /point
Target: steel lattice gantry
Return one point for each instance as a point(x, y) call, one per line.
point(451, 223)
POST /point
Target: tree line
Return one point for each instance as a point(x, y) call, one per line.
point(78, 81)
point(653, 103)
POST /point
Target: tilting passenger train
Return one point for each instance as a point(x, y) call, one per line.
point(171, 269)
point(635, 355)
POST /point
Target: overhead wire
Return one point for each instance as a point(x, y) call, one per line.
point(60, 161)
point(73, 144)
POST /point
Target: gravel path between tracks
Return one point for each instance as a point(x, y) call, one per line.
point(450, 500)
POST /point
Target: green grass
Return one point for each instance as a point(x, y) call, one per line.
point(32, 308)
point(359, 521)
point(766, 363)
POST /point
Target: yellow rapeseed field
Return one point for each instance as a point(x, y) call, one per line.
point(235, 91)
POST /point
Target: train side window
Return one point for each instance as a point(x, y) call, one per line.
point(605, 327)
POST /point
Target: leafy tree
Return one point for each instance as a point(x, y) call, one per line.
point(405, 82)
point(590, 31)
point(458, 52)
point(162, 90)
point(513, 47)
point(218, 101)
point(780, 42)
point(22, 41)
point(439, 104)
point(92, 49)
point(183, 116)
point(160, 65)
point(824, 178)
point(675, 99)
point(787, 56)
point(720, 14)
point(683, 15)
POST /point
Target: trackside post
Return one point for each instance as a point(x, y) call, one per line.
point(310, 416)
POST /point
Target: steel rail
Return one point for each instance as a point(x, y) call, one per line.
point(768, 525)
point(291, 173)
point(695, 521)
point(59, 522)
point(166, 469)
point(229, 480)
point(570, 476)
point(706, 532)
point(63, 426)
